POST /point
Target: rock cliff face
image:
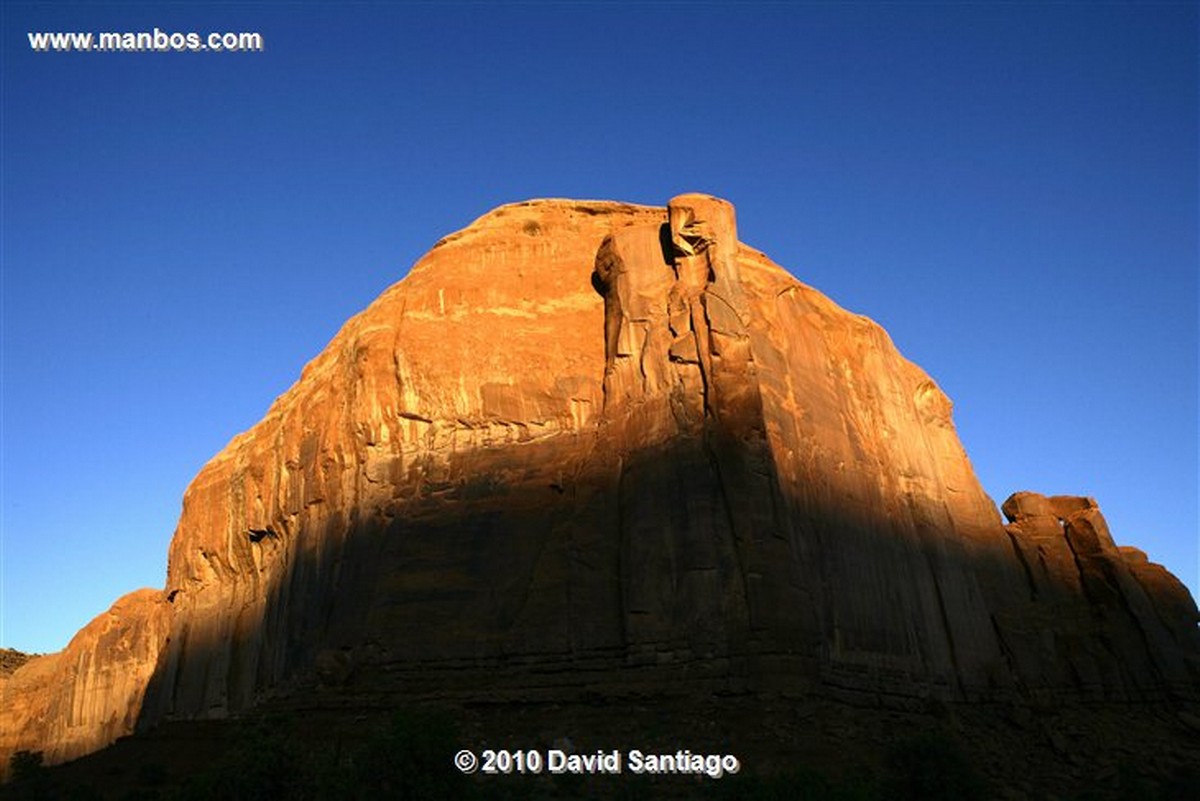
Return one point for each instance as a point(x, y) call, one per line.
point(594, 448)
point(86, 696)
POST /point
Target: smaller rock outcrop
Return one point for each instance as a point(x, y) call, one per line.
point(1089, 599)
point(84, 697)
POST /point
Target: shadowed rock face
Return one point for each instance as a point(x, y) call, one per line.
point(594, 448)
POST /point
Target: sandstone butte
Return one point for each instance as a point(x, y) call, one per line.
point(599, 448)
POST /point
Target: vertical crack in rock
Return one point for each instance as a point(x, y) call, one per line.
point(946, 621)
point(1020, 555)
point(1009, 657)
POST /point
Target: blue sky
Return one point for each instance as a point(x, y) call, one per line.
point(1010, 189)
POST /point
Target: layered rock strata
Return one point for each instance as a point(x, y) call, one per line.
point(594, 448)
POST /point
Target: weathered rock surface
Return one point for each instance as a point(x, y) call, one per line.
point(594, 448)
point(80, 699)
point(1088, 599)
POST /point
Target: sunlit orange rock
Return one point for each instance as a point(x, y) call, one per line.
point(86, 696)
point(591, 448)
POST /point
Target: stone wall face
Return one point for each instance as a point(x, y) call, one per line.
point(590, 447)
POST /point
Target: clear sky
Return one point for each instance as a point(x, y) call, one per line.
point(1010, 189)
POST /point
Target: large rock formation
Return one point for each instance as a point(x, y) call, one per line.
point(590, 448)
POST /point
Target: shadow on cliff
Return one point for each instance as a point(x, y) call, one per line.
point(613, 599)
point(642, 572)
